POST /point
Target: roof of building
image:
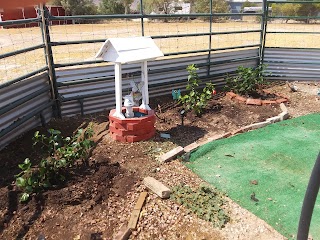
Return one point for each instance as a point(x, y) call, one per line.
point(129, 50)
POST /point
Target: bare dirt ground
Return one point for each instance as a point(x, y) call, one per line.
point(98, 199)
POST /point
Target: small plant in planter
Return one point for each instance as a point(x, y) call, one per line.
point(196, 99)
point(63, 153)
point(247, 80)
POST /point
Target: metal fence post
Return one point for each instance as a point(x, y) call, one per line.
point(309, 201)
point(210, 40)
point(264, 21)
point(49, 60)
point(142, 14)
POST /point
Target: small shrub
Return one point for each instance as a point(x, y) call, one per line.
point(247, 80)
point(196, 100)
point(63, 154)
point(205, 202)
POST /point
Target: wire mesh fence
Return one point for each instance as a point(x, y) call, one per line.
point(293, 24)
point(14, 59)
point(77, 40)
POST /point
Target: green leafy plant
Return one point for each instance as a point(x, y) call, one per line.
point(196, 100)
point(205, 202)
point(63, 154)
point(247, 80)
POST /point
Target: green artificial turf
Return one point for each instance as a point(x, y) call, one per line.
point(280, 157)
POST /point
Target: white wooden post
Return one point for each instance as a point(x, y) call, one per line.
point(118, 90)
point(145, 90)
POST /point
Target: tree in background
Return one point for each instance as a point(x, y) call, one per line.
point(218, 6)
point(293, 9)
point(76, 7)
point(308, 10)
point(287, 9)
point(126, 4)
point(154, 6)
point(276, 9)
point(112, 7)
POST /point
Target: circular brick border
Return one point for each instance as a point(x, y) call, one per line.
point(132, 129)
point(257, 101)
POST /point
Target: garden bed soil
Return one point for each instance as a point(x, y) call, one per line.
point(97, 199)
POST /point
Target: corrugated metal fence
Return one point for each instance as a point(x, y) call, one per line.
point(28, 103)
point(23, 106)
point(292, 49)
point(293, 64)
point(91, 90)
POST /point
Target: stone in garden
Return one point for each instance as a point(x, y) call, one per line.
point(157, 187)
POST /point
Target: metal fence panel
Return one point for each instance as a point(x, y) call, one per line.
point(23, 106)
point(89, 90)
point(293, 64)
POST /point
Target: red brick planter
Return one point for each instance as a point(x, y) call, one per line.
point(259, 102)
point(132, 129)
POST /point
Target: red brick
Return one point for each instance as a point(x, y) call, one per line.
point(132, 138)
point(231, 94)
point(149, 124)
point(281, 95)
point(265, 102)
point(254, 101)
point(140, 138)
point(134, 120)
point(116, 131)
point(282, 100)
point(117, 125)
point(135, 127)
point(147, 119)
point(149, 128)
point(267, 91)
point(118, 138)
point(138, 132)
point(122, 121)
point(132, 129)
point(126, 120)
point(137, 109)
point(131, 126)
point(240, 99)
